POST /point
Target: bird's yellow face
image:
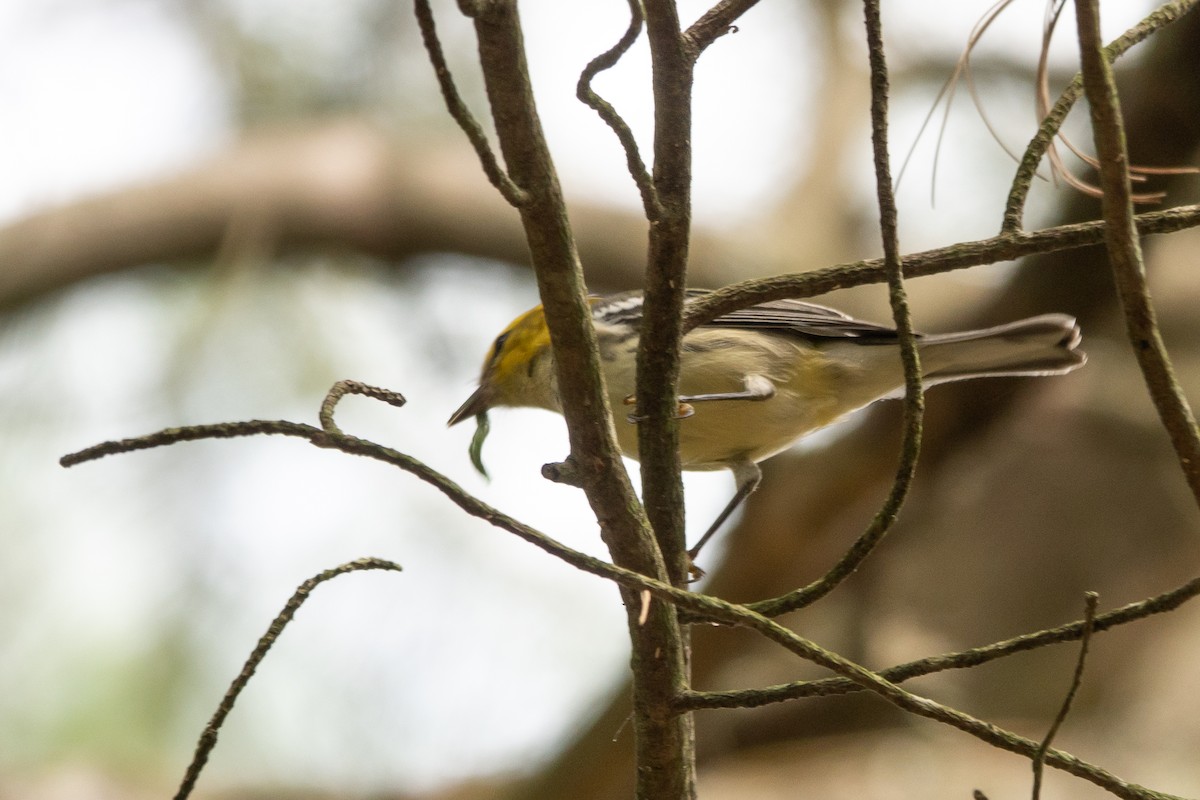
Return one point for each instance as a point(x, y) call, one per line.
point(510, 362)
point(511, 372)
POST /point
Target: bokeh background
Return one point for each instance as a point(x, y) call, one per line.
point(213, 210)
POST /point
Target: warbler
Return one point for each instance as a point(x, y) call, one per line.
point(754, 381)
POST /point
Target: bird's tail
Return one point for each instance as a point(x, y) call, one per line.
point(1045, 345)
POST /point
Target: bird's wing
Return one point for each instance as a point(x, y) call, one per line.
point(796, 317)
point(618, 309)
point(804, 319)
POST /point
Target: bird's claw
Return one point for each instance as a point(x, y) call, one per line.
point(682, 411)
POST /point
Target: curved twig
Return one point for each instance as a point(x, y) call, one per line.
point(515, 195)
point(1137, 173)
point(948, 90)
point(208, 739)
point(1014, 208)
point(343, 388)
point(588, 96)
point(914, 401)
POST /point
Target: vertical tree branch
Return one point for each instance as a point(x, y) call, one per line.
point(666, 749)
point(560, 283)
point(1124, 247)
point(914, 400)
point(666, 277)
point(664, 738)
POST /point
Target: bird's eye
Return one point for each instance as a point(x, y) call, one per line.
point(499, 345)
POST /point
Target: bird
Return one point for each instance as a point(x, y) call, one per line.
point(754, 381)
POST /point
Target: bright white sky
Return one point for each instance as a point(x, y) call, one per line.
point(98, 94)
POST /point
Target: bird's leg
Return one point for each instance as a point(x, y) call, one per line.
point(747, 476)
point(756, 388)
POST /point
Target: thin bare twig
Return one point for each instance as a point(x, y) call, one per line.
point(192, 433)
point(1137, 174)
point(208, 739)
point(1014, 208)
point(965, 659)
point(585, 93)
point(1005, 247)
point(514, 194)
point(914, 403)
point(716, 22)
point(1039, 760)
point(1125, 252)
point(962, 69)
point(332, 438)
point(930, 709)
point(701, 605)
